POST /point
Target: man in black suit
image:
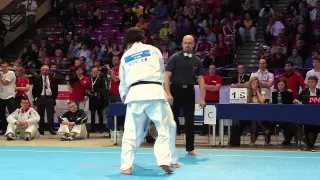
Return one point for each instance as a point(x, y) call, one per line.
point(310, 131)
point(45, 92)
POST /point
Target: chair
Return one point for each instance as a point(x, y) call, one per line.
point(79, 23)
point(107, 23)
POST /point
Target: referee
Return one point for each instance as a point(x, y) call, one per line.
point(182, 71)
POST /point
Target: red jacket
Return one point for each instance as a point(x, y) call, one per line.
point(294, 81)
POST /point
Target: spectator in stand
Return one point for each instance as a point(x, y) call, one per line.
point(242, 79)
point(64, 64)
point(96, 99)
point(210, 36)
point(142, 24)
point(265, 14)
point(211, 58)
point(315, 13)
point(165, 53)
point(310, 131)
point(172, 24)
point(147, 11)
point(203, 46)
point(62, 45)
point(248, 27)
point(46, 47)
point(168, 41)
point(78, 86)
point(75, 46)
point(154, 25)
point(160, 10)
point(129, 18)
point(294, 79)
point(189, 10)
point(275, 27)
point(3, 33)
point(165, 31)
point(84, 52)
point(279, 42)
point(97, 53)
point(90, 21)
point(181, 32)
point(315, 71)
point(62, 19)
point(7, 93)
point(278, 59)
point(85, 38)
point(251, 6)
point(22, 86)
point(213, 84)
point(31, 8)
point(316, 37)
point(265, 79)
point(137, 9)
point(229, 33)
point(296, 60)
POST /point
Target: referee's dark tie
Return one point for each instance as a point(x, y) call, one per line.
point(45, 86)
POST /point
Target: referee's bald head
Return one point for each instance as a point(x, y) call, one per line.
point(131, 36)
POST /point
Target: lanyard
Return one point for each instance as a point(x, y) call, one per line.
point(93, 82)
point(239, 80)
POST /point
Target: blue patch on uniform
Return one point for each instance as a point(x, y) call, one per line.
point(137, 55)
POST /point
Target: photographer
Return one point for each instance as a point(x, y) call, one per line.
point(96, 98)
point(78, 86)
point(31, 7)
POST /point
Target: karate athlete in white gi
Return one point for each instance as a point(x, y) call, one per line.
point(172, 138)
point(25, 120)
point(141, 77)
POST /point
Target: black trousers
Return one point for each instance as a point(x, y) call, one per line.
point(93, 119)
point(6, 103)
point(45, 104)
point(311, 134)
point(185, 98)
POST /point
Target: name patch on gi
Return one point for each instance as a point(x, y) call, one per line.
point(138, 55)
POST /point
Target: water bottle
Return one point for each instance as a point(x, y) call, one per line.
point(279, 98)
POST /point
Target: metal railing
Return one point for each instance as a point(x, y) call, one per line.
point(13, 17)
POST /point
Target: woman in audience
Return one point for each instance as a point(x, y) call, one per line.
point(296, 59)
point(283, 95)
point(256, 96)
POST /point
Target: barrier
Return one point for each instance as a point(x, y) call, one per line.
point(293, 113)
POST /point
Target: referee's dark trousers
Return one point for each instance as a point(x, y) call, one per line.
point(184, 96)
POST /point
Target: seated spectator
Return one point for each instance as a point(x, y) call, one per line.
point(223, 48)
point(279, 42)
point(265, 14)
point(203, 46)
point(142, 24)
point(211, 58)
point(90, 21)
point(248, 28)
point(137, 9)
point(85, 38)
point(73, 122)
point(283, 95)
point(165, 31)
point(315, 13)
point(84, 52)
point(171, 45)
point(160, 10)
point(210, 36)
point(310, 131)
point(316, 37)
point(278, 59)
point(275, 27)
point(46, 48)
point(172, 24)
point(189, 10)
point(229, 33)
point(165, 53)
point(97, 53)
point(64, 64)
point(25, 120)
point(296, 59)
point(154, 25)
point(75, 46)
point(147, 11)
point(129, 18)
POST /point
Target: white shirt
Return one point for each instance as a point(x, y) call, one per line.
point(8, 91)
point(313, 93)
point(142, 62)
point(31, 116)
point(277, 28)
point(312, 73)
point(267, 77)
point(48, 90)
point(31, 7)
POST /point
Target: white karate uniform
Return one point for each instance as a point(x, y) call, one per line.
point(143, 62)
point(32, 118)
point(80, 130)
point(172, 138)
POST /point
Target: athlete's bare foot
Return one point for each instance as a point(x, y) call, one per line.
point(193, 153)
point(127, 171)
point(167, 169)
point(176, 165)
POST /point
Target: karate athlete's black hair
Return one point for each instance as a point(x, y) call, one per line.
point(133, 35)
